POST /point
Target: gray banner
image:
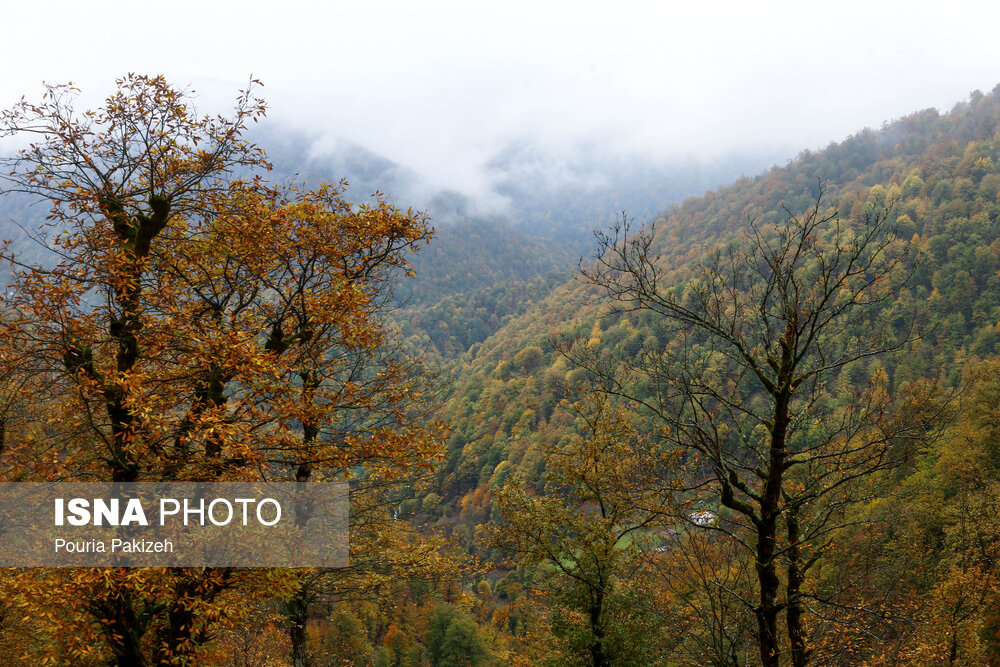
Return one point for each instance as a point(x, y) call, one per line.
point(182, 524)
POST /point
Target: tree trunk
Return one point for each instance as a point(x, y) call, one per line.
point(298, 616)
point(122, 629)
point(770, 508)
point(175, 638)
point(793, 614)
point(298, 605)
point(135, 234)
point(178, 639)
point(768, 608)
point(597, 655)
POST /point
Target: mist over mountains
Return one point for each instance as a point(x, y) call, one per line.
point(545, 190)
point(539, 203)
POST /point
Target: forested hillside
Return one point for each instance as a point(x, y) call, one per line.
point(761, 429)
point(935, 176)
point(939, 172)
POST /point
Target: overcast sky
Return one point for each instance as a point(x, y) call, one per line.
point(438, 86)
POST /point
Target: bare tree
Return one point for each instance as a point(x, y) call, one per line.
point(757, 340)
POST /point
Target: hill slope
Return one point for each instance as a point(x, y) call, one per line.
point(941, 171)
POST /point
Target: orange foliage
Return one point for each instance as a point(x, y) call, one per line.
point(197, 326)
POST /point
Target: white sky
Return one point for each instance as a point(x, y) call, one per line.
point(437, 86)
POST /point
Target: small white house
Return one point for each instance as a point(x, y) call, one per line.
point(703, 518)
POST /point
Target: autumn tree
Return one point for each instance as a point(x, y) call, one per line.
point(386, 556)
point(943, 552)
point(745, 384)
point(22, 416)
point(592, 532)
point(703, 577)
point(197, 324)
point(453, 639)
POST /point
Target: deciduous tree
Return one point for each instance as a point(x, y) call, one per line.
point(591, 533)
point(757, 337)
point(198, 324)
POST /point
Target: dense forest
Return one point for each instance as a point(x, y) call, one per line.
point(763, 428)
point(509, 401)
